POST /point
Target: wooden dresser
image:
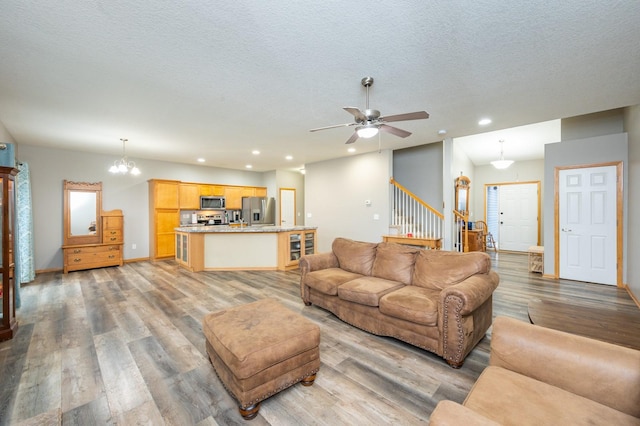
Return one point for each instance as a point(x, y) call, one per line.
point(98, 255)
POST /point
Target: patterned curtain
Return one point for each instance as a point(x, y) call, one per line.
point(25, 264)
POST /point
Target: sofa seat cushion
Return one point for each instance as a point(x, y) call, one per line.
point(438, 269)
point(328, 280)
point(367, 290)
point(511, 398)
point(394, 262)
point(413, 304)
point(354, 256)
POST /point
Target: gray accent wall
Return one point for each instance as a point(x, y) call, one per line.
point(419, 169)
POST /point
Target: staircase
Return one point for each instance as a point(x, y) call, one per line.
point(413, 218)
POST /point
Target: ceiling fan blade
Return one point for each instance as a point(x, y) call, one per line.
point(394, 130)
point(333, 127)
point(353, 138)
point(418, 115)
point(360, 117)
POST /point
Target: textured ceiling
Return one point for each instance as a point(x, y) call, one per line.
point(217, 80)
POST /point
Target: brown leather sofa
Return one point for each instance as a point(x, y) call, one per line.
point(539, 376)
point(437, 300)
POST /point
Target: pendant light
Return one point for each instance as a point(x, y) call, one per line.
point(123, 165)
point(501, 163)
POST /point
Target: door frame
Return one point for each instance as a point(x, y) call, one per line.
point(619, 216)
point(528, 182)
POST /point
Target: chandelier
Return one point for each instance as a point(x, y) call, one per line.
point(123, 165)
point(501, 163)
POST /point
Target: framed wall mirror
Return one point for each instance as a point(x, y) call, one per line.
point(82, 207)
point(462, 194)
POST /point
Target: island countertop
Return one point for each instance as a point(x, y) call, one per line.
point(244, 229)
point(224, 248)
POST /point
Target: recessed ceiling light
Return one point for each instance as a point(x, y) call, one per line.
point(484, 121)
point(303, 171)
point(200, 160)
point(351, 150)
point(289, 157)
point(442, 132)
point(248, 166)
point(255, 152)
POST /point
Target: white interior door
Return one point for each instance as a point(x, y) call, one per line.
point(587, 214)
point(287, 207)
point(518, 216)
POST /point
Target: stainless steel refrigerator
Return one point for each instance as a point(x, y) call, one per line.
point(259, 210)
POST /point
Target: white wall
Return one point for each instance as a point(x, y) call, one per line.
point(632, 127)
point(335, 194)
point(49, 167)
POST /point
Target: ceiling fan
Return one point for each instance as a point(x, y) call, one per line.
point(369, 122)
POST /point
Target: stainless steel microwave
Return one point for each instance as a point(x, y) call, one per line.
point(208, 202)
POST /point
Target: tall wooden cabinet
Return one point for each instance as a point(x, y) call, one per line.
point(8, 323)
point(164, 212)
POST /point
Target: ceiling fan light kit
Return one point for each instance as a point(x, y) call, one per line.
point(367, 131)
point(501, 163)
point(370, 122)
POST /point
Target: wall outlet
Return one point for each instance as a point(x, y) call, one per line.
point(133, 246)
point(376, 216)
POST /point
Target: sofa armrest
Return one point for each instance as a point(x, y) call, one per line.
point(315, 262)
point(449, 413)
point(600, 371)
point(472, 292)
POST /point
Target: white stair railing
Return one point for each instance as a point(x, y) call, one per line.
point(412, 217)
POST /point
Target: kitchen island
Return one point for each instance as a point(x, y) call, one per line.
point(226, 248)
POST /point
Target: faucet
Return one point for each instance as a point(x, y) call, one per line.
point(241, 223)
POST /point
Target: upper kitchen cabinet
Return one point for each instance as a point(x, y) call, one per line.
point(216, 190)
point(261, 192)
point(233, 196)
point(189, 196)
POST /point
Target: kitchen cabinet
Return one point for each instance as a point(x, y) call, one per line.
point(189, 250)
point(189, 196)
point(261, 192)
point(293, 245)
point(233, 196)
point(8, 323)
point(217, 190)
point(164, 217)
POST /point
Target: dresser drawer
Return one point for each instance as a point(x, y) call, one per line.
point(88, 257)
point(112, 236)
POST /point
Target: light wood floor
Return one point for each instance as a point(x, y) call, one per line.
point(125, 346)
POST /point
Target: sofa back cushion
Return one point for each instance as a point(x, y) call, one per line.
point(437, 269)
point(354, 256)
point(394, 262)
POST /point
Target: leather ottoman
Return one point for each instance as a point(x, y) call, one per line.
point(259, 349)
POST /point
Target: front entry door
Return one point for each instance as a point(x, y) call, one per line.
point(518, 216)
point(587, 222)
